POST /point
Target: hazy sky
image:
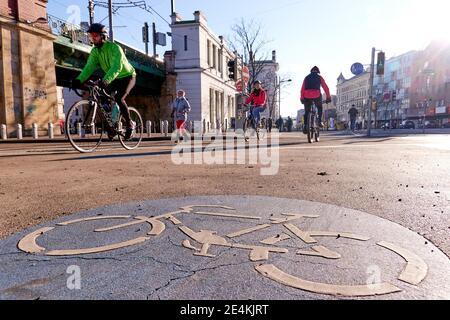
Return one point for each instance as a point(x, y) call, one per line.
point(332, 34)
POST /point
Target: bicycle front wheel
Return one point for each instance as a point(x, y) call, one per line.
point(83, 130)
point(246, 128)
point(138, 131)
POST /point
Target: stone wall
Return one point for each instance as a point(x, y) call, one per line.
point(27, 67)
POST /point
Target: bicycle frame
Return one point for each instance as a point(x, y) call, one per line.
point(95, 94)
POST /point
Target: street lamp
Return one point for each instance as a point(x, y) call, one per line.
point(279, 93)
point(38, 20)
point(429, 73)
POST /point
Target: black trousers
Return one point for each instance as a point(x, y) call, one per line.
point(308, 104)
point(122, 86)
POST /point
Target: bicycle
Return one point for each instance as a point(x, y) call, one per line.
point(312, 125)
point(88, 119)
point(283, 226)
point(249, 124)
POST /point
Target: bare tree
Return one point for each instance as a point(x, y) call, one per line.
point(248, 36)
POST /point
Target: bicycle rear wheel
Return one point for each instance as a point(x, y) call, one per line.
point(84, 132)
point(310, 126)
point(138, 131)
point(317, 135)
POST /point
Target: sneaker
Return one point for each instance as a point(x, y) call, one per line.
point(129, 130)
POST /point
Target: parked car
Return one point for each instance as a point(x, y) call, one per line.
point(430, 124)
point(407, 124)
point(446, 125)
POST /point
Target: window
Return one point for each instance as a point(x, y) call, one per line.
point(185, 43)
point(214, 52)
point(208, 52)
point(220, 58)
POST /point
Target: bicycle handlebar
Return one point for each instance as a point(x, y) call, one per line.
point(92, 84)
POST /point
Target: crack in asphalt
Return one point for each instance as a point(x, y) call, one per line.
point(193, 273)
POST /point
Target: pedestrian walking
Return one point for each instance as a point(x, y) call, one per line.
point(180, 110)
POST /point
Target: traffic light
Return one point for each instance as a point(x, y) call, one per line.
point(145, 34)
point(394, 95)
point(380, 63)
point(232, 69)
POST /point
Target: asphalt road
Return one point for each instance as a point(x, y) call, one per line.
point(404, 179)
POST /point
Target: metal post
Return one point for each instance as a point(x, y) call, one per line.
point(172, 6)
point(4, 135)
point(79, 129)
point(149, 128)
point(19, 131)
point(279, 97)
point(110, 12)
point(35, 131)
point(372, 76)
point(91, 11)
point(146, 37)
point(166, 128)
point(51, 135)
point(154, 39)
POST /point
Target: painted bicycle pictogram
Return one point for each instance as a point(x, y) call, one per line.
point(201, 243)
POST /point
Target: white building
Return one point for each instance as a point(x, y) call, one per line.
point(353, 91)
point(201, 60)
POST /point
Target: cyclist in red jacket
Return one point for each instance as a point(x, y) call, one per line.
point(258, 99)
point(311, 92)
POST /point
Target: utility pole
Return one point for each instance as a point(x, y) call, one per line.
point(110, 12)
point(154, 39)
point(372, 76)
point(91, 11)
point(172, 7)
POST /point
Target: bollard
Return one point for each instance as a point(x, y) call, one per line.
point(149, 128)
point(19, 131)
point(225, 128)
point(208, 127)
point(161, 125)
point(51, 134)
point(166, 128)
point(35, 131)
point(79, 129)
point(3, 133)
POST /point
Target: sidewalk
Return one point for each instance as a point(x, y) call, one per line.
point(386, 133)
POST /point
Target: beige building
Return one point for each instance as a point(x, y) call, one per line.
point(27, 74)
point(200, 64)
point(353, 91)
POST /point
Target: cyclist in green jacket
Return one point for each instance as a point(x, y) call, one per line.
point(119, 76)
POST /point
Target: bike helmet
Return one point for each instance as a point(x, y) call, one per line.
point(97, 28)
point(315, 69)
point(257, 81)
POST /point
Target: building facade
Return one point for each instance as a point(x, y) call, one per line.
point(268, 75)
point(201, 70)
point(353, 91)
point(27, 77)
point(392, 90)
point(430, 85)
